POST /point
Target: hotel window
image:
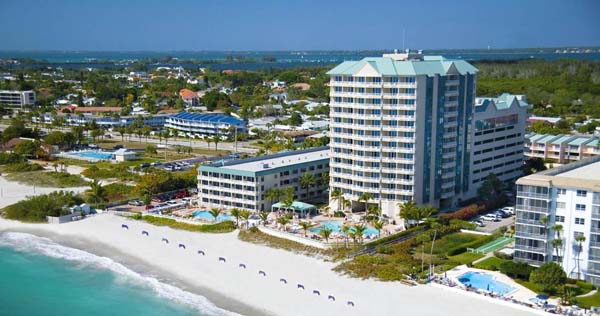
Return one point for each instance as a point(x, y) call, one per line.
point(376, 90)
point(338, 78)
point(394, 90)
point(581, 193)
point(560, 191)
point(560, 219)
point(361, 90)
point(360, 100)
point(579, 221)
point(377, 79)
point(376, 101)
point(561, 205)
point(580, 207)
point(361, 79)
point(394, 79)
point(360, 111)
point(338, 89)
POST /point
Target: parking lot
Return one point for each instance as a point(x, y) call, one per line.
point(491, 226)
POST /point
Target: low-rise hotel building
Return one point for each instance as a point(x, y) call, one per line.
point(561, 204)
point(561, 148)
point(14, 99)
point(205, 124)
point(498, 136)
point(243, 183)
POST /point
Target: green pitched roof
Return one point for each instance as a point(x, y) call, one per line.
point(579, 140)
point(386, 66)
point(561, 139)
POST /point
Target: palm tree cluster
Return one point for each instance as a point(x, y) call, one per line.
point(411, 213)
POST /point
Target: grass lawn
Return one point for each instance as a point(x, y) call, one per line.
point(589, 301)
point(492, 263)
point(466, 257)
point(448, 242)
point(48, 179)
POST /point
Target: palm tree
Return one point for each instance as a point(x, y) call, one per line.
point(283, 221)
point(336, 194)
point(366, 197)
point(580, 240)
point(245, 215)
point(307, 180)
point(273, 194)
point(359, 231)
point(558, 228)
point(97, 191)
point(373, 212)
point(166, 135)
point(55, 165)
point(345, 230)
point(557, 245)
point(325, 233)
point(263, 217)
point(235, 212)
point(215, 212)
point(408, 212)
point(216, 139)
point(378, 224)
point(306, 226)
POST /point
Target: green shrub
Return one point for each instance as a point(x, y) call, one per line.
point(390, 237)
point(339, 214)
point(519, 270)
point(8, 158)
point(222, 227)
point(384, 249)
point(22, 166)
point(36, 208)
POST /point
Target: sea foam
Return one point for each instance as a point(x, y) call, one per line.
point(34, 244)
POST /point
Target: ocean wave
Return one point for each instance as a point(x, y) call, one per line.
point(31, 243)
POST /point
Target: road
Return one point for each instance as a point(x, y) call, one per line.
point(242, 147)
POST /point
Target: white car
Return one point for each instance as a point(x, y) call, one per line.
point(490, 217)
point(508, 210)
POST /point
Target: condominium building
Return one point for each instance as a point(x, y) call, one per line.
point(206, 124)
point(401, 129)
point(498, 135)
point(244, 183)
point(17, 98)
point(561, 204)
point(561, 148)
point(157, 120)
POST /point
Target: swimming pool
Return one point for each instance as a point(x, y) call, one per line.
point(484, 281)
point(101, 155)
point(336, 227)
point(206, 215)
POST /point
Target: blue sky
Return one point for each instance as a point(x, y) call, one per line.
point(295, 25)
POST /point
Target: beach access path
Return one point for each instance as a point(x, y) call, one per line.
point(266, 293)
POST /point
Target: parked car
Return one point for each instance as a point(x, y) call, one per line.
point(156, 163)
point(149, 207)
point(135, 203)
point(501, 214)
point(508, 210)
point(479, 223)
point(144, 165)
point(490, 217)
point(117, 147)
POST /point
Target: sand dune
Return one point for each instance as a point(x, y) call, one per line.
point(267, 293)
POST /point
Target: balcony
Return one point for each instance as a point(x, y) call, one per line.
point(595, 244)
point(526, 194)
point(595, 229)
point(530, 235)
point(530, 248)
point(529, 221)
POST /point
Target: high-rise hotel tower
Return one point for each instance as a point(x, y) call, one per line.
point(400, 130)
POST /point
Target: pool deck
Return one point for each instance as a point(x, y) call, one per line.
point(521, 293)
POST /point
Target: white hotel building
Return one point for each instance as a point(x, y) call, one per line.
point(400, 129)
point(15, 99)
point(568, 196)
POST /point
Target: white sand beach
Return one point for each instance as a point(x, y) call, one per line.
point(265, 293)
point(12, 192)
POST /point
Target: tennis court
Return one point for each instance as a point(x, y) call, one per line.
point(494, 245)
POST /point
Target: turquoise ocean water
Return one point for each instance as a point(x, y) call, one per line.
point(40, 277)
